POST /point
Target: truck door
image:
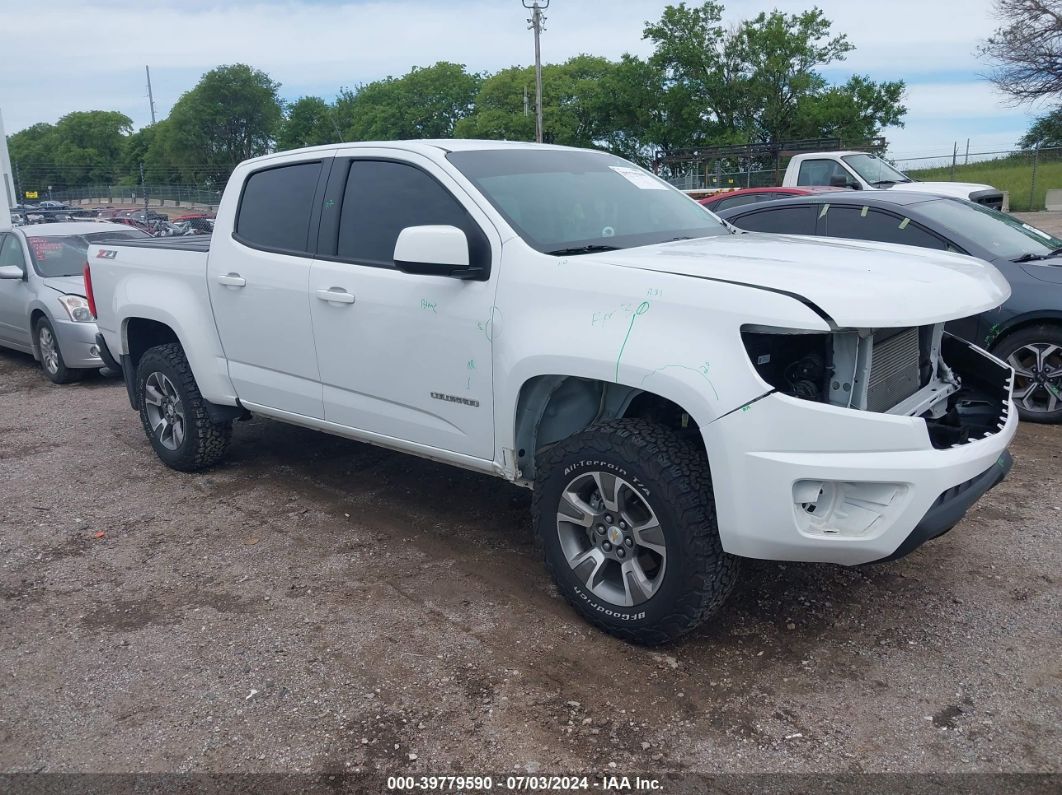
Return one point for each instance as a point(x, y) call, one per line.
point(257, 278)
point(403, 355)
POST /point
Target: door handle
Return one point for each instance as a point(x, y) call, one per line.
point(232, 280)
point(336, 295)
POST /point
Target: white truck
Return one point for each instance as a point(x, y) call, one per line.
point(677, 394)
point(864, 171)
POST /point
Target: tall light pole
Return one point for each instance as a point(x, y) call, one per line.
point(535, 23)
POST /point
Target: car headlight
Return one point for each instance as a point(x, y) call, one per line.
point(77, 307)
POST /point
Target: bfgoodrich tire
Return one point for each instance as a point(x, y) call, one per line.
point(1035, 353)
point(174, 413)
point(625, 514)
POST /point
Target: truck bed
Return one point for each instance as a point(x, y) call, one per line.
point(200, 243)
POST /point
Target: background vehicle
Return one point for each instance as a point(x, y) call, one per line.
point(864, 171)
point(1026, 330)
point(43, 309)
point(725, 200)
point(566, 320)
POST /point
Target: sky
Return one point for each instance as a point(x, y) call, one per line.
point(90, 54)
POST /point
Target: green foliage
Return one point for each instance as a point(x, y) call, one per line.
point(232, 114)
point(1046, 131)
point(759, 81)
point(424, 103)
point(81, 148)
point(310, 121)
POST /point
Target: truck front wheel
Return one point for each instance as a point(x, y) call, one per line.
point(174, 413)
point(626, 517)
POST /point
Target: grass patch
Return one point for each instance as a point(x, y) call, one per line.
point(1013, 174)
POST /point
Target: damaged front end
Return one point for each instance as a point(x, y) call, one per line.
point(962, 392)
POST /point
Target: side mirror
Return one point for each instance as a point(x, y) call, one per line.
point(11, 272)
point(434, 251)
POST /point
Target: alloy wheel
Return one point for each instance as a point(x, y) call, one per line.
point(1037, 376)
point(49, 350)
point(611, 538)
point(165, 411)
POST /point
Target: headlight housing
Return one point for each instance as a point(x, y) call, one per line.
point(77, 308)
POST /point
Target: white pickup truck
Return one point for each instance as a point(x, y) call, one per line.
point(864, 171)
point(678, 394)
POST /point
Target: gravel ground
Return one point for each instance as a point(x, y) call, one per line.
point(318, 605)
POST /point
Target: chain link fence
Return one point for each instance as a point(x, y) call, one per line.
point(157, 195)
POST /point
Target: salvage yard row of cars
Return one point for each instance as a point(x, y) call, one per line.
point(678, 393)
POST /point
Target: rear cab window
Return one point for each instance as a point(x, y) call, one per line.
point(275, 208)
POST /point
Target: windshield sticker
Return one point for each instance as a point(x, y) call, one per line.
point(639, 178)
point(1036, 231)
point(904, 223)
point(863, 212)
point(43, 248)
point(825, 209)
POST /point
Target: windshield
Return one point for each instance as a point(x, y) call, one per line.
point(1005, 236)
point(568, 202)
point(64, 255)
point(874, 169)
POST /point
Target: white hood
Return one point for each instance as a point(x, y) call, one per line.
point(959, 190)
point(857, 284)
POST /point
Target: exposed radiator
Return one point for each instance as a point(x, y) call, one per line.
point(894, 371)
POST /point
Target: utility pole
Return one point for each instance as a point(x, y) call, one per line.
point(151, 97)
point(537, 18)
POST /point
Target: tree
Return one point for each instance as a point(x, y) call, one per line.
point(82, 148)
point(233, 113)
point(587, 101)
point(310, 121)
point(759, 81)
point(424, 103)
point(1045, 132)
point(1027, 49)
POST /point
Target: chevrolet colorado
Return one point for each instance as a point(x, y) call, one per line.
point(677, 396)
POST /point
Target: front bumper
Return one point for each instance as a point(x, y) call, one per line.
point(77, 343)
point(881, 481)
point(952, 505)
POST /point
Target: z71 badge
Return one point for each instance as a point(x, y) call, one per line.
point(106, 253)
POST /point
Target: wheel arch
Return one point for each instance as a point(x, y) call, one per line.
point(1019, 322)
point(553, 407)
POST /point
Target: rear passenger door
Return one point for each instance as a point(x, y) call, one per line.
point(402, 355)
point(257, 279)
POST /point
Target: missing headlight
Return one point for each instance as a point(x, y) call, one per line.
point(794, 363)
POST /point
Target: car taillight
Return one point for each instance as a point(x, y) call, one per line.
point(88, 291)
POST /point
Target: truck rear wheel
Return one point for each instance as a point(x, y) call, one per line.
point(626, 517)
point(174, 413)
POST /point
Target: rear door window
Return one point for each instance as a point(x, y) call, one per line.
point(276, 206)
point(782, 220)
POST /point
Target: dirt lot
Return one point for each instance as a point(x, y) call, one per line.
point(320, 605)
